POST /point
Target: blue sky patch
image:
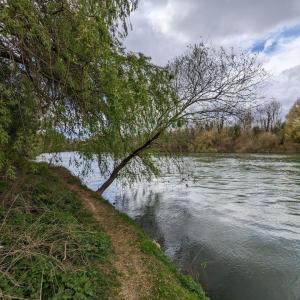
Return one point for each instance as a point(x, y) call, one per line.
point(269, 43)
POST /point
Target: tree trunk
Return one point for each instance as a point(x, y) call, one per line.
point(125, 161)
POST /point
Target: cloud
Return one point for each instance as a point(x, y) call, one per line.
point(171, 24)
point(163, 28)
point(272, 40)
point(285, 88)
point(153, 33)
point(283, 64)
point(279, 51)
point(286, 56)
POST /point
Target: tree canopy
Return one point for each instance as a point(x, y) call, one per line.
point(292, 126)
point(54, 58)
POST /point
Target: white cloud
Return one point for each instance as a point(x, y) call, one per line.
point(286, 56)
point(285, 88)
point(283, 64)
point(163, 28)
point(162, 17)
point(269, 43)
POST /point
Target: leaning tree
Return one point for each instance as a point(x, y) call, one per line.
point(202, 83)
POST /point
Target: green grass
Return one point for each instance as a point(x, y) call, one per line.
point(168, 281)
point(50, 246)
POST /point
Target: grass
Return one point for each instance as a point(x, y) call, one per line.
point(51, 247)
point(168, 281)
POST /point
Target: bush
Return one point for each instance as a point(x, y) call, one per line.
point(267, 142)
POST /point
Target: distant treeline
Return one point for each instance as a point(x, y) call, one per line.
point(258, 130)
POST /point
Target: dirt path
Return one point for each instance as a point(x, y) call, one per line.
point(129, 261)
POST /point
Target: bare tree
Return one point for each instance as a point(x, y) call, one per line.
point(206, 83)
point(268, 115)
point(246, 119)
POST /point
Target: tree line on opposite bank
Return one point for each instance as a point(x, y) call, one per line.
point(258, 130)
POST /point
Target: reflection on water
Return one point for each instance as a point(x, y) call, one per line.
point(234, 225)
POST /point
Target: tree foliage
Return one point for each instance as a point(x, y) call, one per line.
point(292, 126)
point(54, 57)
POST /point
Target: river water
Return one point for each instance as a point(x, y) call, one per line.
point(234, 225)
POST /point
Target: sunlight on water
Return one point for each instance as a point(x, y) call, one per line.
point(234, 224)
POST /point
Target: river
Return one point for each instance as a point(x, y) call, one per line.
point(234, 225)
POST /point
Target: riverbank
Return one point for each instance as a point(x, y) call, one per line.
point(61, 241)
point(227, 140)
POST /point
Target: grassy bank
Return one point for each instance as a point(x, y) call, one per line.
point(60, 241)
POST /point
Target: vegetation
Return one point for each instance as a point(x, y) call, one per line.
point(64, 72)
point(52, 247)
point(67, 81)
point(292, 126)
point(257, 130)
point(227, 140)
point(203, 83)
point(56, 58)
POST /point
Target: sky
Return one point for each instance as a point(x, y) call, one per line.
point(162, 29)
